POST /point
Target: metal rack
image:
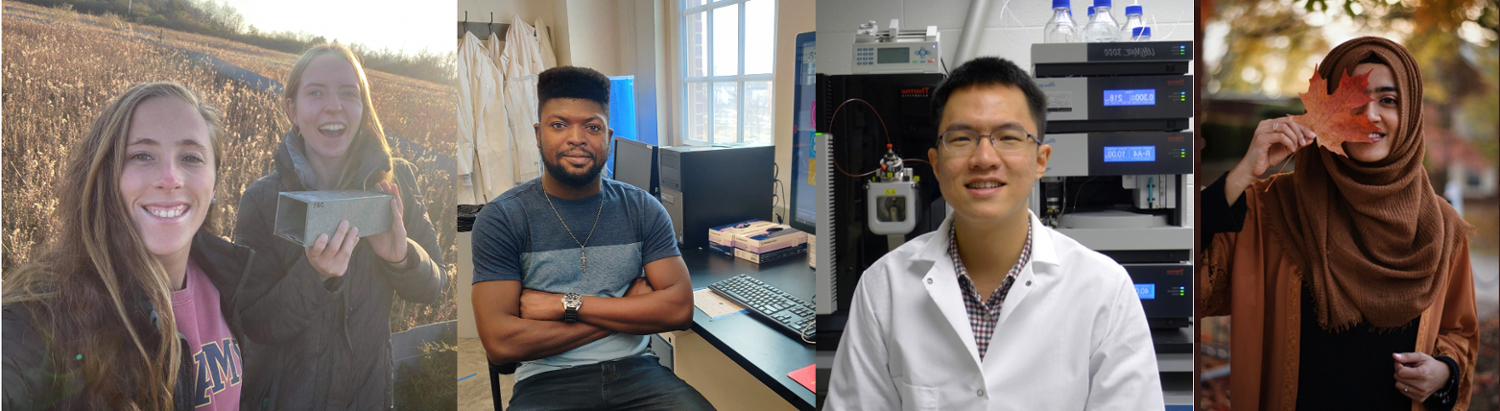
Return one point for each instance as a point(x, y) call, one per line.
point(484, 30)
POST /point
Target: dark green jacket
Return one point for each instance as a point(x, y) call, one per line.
point(332, 338)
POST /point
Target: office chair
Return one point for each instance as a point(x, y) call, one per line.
point(495, 372)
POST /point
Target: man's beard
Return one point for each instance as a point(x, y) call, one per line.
point(559, 172)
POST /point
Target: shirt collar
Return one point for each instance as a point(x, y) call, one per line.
point(1015, 270)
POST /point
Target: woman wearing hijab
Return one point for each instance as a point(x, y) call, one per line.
point(1348, 280)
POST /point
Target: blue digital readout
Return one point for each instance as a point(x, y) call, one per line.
point(1132, 97)
point(1146, 291)
point(1129, 154)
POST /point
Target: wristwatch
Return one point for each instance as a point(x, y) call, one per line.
point(571, 303)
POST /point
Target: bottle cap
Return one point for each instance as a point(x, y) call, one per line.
point(1062, 4)
point(1140, 32)
point(1129, 10)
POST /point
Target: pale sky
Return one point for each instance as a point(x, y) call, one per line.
point(402, 25)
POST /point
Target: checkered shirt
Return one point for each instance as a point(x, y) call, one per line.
point(984, 313)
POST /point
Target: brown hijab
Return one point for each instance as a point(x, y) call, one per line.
point(1373, 239)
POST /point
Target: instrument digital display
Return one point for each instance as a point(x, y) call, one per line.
point(1129, 154)
point(1131, 97)
point(892, 55)
point(1146, 291)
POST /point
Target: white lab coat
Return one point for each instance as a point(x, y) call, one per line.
point(1071, 336)
point(522, 61)
point(485, 149)
point(544, 39)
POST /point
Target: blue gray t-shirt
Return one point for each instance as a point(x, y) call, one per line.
point(517, 237)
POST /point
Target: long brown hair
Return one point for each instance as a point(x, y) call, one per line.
point(83, 289)
point(370, 130)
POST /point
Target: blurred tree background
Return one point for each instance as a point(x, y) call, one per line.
point(1257, 56)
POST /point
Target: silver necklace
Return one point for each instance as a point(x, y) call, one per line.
point(583, 258)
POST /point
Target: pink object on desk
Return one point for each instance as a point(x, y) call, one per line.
point(807, 376)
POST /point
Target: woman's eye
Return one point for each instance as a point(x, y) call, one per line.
point(140, 157)
point(192, 159)
point(1388, 101)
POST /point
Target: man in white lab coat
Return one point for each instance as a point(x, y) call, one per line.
point(993, 311)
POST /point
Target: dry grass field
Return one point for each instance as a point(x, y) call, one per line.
point(60, 68)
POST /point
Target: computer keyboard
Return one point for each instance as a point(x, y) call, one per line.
point(782, 311)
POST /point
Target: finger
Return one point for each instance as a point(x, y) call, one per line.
point(1308, 134)
point(1405, 390)
point(1412, 357)
point(339, 233)
point(1266, 126)
point(349, 242)
point(1290, 140)
point(1297, 129)
point(1286, 126)
point(1292, 121)
point(1410, 373)
point(318, 246)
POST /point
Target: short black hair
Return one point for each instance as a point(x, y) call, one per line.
point(572, 82)
point(991, 70)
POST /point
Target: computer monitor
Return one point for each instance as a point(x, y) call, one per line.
point(802, 201)
point(635, 164)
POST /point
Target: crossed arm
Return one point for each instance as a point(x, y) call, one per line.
point(517, 324)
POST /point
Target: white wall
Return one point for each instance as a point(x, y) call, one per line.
point(594, 35)
point(1009, 29)
point(792, 17)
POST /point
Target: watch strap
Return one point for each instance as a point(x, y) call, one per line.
point(570, 311)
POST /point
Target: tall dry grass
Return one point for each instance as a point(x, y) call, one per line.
point(60, 71)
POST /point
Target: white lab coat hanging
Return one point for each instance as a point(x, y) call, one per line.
point(544, 39)
point(1072, 335)
point(521, 62)
point(484, 134)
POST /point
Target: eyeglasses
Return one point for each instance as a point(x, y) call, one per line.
point(964, 141)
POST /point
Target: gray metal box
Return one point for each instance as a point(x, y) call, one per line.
point(301, 216)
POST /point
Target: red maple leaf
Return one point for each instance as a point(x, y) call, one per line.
point(1332, 116)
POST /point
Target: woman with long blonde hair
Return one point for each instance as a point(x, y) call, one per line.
point(132, 305)
point(327, 308)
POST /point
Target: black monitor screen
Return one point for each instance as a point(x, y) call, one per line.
point(633, 163)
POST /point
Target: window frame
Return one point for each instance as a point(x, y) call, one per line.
point(708, 79)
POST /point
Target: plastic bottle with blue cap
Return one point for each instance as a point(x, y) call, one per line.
point(1102, 28)
point(1061, 28)
point(1133, 20)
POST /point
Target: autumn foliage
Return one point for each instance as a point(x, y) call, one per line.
point(1332, 116)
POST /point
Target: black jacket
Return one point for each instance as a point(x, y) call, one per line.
point(32, 383)
point(331, 338)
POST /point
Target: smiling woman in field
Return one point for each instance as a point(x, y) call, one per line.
point(1348, 280)
point(327, 309)
point(133, 306)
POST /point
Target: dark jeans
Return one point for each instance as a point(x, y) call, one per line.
point(635, 383)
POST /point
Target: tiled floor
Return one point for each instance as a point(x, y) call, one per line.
point(474, 392)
